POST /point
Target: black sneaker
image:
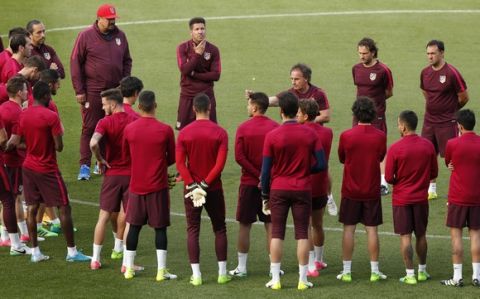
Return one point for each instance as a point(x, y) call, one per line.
point(476, 283)
point(384, 190)
point(452, 282)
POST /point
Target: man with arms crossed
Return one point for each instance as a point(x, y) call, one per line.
point(361, 149)
point(373, 79)
point(201, 154)
point(411, 164)
point(290, 154)
point(445, 93)
point(248, 154)
point(463, 159)
point(200, 66)
point(151, 146)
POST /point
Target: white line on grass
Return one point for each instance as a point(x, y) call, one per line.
point(287, 15)
point(331, 229)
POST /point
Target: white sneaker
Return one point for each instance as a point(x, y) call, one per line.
point(36, 258)
point(23, 249)
point(237, 273)
point(332, 206)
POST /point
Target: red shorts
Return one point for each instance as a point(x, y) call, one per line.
point(114, 192)
point(15, 177)
point(439, 135)
point(152, 208)
point(368, 212)
point(379, 123)
point(463, 216)
point(320, 202)
point(185, 113)
point(410, 218)
point(249, 205)
point(301, 204)
point(48, 188)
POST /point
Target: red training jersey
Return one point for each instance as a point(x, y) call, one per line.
point(4, 57)
point(410, 165)
point(361, 149)
point(10, 69)
point(320, 180)
point(129, 110)
point(464, 153)
point(10, 114)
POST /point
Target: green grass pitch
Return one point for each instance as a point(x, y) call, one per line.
point(264, 48)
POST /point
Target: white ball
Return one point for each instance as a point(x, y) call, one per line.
point(253, 79)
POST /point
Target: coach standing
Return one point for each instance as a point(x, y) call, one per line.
point(200, 66)
point(100, 59)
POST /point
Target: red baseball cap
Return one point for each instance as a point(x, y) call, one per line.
point(107, 11)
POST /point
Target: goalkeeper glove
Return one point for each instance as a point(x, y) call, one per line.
point(171, 180)
point(196, 194)
point(265, 204)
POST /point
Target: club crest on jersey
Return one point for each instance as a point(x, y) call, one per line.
point(207, 55)
point(47, 55)
point(442, 79)
point(118, 41)
point(373, 76)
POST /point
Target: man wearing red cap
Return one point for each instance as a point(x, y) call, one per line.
point(99, 60)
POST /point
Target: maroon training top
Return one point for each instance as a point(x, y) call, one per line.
point(320, 180)
point(464, 153)
point(361, 149)
point(442, 88)
point(198, 72)
point(373, 82)
point(313, 92)
point(99, 61)
point(49, 56)
point(411, 164)
point(249, 146)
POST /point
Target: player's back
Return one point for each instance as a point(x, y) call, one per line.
point(320, 180)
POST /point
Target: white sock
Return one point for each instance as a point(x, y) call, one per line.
point(15, 240)
point(311, 261)
point(161, 259)
point(410, 272)
point(374, 267)
point(124, 260)
point(22, 225)
point(432, 187)
point(302, 273)
point(383, 181)
point(422, 268)
point(318, 253)
point(118, 245)
point(457, 272)
point(4, 233)
point(196, 270)
point(275, 270)
point(39, 225)
point(72, 251)
point(129, 258)
point(347, 266)
point(55, 221)
point(476, 270)
point(330, 197)
point(114, 235)
point(242, 261)
point(97, 249)
point(36, 250)
point(222, 268)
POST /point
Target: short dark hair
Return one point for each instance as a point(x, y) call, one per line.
point(49, 76)
point(196, 20)
point(35, 61)
point(409, 119)
point(146, 101)
point(260, 100)
point(288, 103)
point(435, 42)
point(16, 41)
point(364, 109)
point(309, 107)
point(31, 24)
point(304, 69)
point(41, 92)
point(17, 30)
point(15, 84)
point(370, 44)
point(466, 118)
point(201, 102)
point(112, 94)
point(130, 85)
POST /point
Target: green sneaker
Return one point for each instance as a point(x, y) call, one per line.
point(163, 274)
point(223, 279)
point(116, 255)
point(273, 285)
point(377, 276)
point(408, 280)
point(304, 285)
point(43, 232)
point(196, 281)
point(345, 277)
point(55, 228)
point(129, 273)
point(423, 276)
